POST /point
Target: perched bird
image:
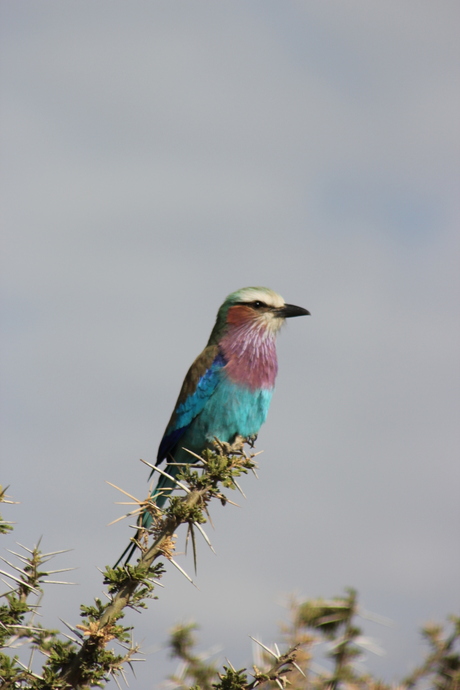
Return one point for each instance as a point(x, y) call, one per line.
point(228, 388)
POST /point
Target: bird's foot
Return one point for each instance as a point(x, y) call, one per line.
point(231, 448)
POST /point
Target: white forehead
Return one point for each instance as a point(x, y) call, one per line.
point(271, 299)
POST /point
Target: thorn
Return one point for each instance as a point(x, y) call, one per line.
point(18, 580)
point(148, 464)
point(182, 571)
point(72, 639)
point(205, 536)
point(58, 582)
point(376, 618)
point(264, 647)
point(298, 668)
point(126, 503)
point(187, 538)
point(192, 535)
point(8, 585)
point(71, 628)
point(18, 555)
point(28, 670)
point(52, 553)
point(165, 474)
point(115, 679)
point(229, 501)
point(133, 512)
point(20, 570)
point(195, 455)
point(209, 517)
point(238, 487)
point(123, 491)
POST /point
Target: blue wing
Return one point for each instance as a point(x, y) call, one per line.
point(199, 384)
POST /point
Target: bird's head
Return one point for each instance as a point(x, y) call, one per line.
point(254, 306)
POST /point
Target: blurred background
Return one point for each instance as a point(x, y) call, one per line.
point(158, 156)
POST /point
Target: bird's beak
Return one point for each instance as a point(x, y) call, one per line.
point(290, 310)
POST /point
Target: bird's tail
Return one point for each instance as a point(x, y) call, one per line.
point(159, 495)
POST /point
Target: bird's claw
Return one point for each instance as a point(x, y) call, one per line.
point(237, 445)
point(231, 448)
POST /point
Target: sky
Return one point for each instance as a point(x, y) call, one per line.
point(158, 156)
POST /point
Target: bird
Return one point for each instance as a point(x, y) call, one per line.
point(227, 391)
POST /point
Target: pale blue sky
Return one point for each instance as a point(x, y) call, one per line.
point(158, 156)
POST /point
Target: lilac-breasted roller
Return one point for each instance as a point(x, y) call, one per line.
point(227, 390)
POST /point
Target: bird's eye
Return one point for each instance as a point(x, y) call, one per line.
point(257, 304)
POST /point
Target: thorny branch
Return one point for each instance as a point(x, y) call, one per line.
point(129, 585)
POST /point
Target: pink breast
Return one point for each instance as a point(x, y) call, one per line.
point(250, 352)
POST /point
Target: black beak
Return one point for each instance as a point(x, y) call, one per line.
point(290, 310)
